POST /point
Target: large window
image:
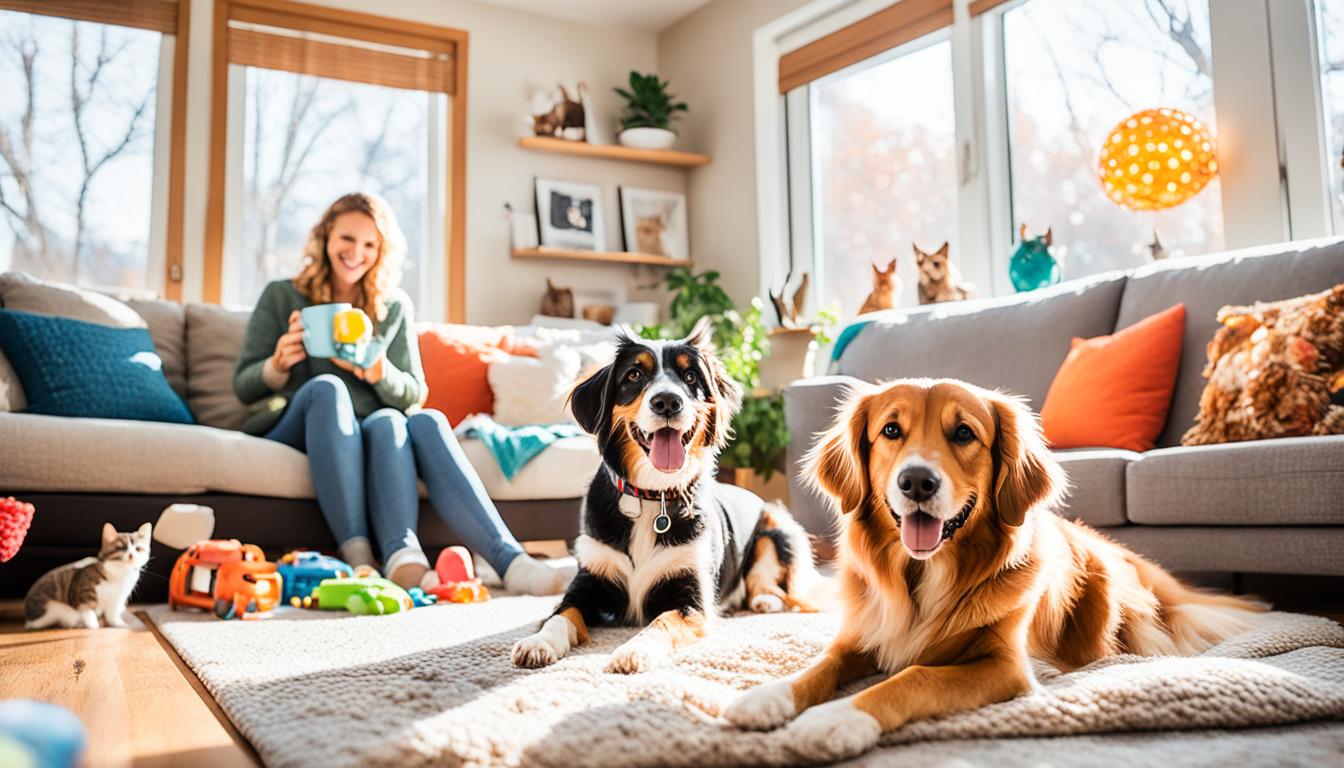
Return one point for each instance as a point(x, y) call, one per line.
point(79, 115)
point(1076, 68)
point(884, 168)
point(1330, 27)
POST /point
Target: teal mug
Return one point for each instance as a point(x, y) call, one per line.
point(318, 324)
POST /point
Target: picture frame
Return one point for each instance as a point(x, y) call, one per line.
point(655, 222)
point(569, 215)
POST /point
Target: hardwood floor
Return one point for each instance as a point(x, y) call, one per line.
point(140, 703)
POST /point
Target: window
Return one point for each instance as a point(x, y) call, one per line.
point(1330, 27)
point(1076, 68)
point(313, 103)
point(884, 173)
point(83, 143)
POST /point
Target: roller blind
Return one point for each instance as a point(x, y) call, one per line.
point(154, 15)
point(892, 26)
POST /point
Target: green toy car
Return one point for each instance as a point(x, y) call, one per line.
point(361, 596)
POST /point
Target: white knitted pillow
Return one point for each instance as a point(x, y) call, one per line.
point(532, 390)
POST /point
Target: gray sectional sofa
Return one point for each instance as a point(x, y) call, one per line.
point(1271, 506)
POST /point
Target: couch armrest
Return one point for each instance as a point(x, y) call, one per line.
point(809, 408)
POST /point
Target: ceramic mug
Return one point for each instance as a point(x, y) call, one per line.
point(318, 323)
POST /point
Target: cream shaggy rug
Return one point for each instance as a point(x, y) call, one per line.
point(435, 686)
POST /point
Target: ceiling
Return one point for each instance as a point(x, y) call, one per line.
point(649, 16)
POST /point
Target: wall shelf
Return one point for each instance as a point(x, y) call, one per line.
point(614, 152)
point(611, 257)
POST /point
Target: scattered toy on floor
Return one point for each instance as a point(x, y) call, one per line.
point(457, 582)
point(76, 595)
point(40, 734)
point(15, 517)
point(181, 525)
point(360, 596)
point(302, 570)
point(227, 577)
point(420, 599)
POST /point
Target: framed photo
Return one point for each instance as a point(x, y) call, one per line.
point(569, 215)
point(654, 222)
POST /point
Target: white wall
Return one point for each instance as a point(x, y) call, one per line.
point(707, 56)
point(509, 52)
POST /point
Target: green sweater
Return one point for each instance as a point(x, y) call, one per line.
point(403, 380)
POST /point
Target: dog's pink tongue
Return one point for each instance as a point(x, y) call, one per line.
point(921, 532)
point(667, 452)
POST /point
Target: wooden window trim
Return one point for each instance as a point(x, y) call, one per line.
point(355, 26)
point(250, 47)
point(984, 6)
point(890, 27)
point(166, 17)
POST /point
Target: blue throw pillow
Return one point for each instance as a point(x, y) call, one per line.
point(72, 368)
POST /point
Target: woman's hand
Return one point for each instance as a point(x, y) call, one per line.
point(289, 348)
point(370, 375)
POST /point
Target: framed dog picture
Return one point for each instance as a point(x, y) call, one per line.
point(654, 222)
point(569, 215)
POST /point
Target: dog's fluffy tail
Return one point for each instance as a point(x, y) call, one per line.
point(1192, 620)
point(781, 571)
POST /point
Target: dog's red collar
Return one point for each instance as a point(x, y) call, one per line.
point(639, 493)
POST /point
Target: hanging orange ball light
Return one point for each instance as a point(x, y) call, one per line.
point(1156, 159)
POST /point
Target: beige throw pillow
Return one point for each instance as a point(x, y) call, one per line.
point(533, 390)
point(214, 339)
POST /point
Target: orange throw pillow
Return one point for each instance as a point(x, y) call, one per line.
point(1114, 391)
point(456, 359)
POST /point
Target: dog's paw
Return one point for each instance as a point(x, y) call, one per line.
point(638, 654)
point(539, 650)
point(833, 731)
point(767, 603)
point(766, 706)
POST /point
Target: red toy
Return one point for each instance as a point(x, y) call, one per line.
point(227, 577)
point(15, 517)
point(457, 578)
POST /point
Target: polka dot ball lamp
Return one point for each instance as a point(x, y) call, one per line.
point(1157, 159)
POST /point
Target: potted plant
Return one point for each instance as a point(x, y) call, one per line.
point(649, 109)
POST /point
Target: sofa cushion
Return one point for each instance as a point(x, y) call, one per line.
point(72, 368)
point(1015, 343)
point(114, 456)
point(11, 390)
point(1206, 283)
point(167, 321)
point(214, 339)
point(1291, 481)
point(562, 471)
point(1096, 485)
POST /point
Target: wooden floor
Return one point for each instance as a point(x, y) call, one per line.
point(141, 704)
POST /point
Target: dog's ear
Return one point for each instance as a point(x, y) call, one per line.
point(838, 464)
point(702, 335)
point(588, 400)
point(724, 391)
point(1025, 474)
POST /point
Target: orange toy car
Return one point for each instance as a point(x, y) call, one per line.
point(225, 576)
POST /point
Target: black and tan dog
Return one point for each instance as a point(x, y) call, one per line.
point(663, 545)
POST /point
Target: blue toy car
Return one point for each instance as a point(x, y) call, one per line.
point(302, 571)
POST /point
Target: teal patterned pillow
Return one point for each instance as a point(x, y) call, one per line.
point(72, 368)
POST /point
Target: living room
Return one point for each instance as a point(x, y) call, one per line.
point(697, 382)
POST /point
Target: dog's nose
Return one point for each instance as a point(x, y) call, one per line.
point(918, 483)
point(665, 404)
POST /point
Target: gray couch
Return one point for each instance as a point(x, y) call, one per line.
point(1271, 506)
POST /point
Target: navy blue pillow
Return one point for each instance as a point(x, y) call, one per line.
point(72, 368)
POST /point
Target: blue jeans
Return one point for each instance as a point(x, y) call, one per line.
point(365, 473)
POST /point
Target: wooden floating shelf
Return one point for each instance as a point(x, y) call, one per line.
point(614, 152)
point(611, 257)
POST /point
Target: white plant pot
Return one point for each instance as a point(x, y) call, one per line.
point(647, 138)
point(792, 357)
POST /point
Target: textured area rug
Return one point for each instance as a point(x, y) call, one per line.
point(435, 687)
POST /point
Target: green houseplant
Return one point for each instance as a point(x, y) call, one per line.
point(646, 120)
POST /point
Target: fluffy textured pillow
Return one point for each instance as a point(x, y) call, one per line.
point(1276, 369)
point(530, 390)
point(456, 359)
point(74, 368)
point(214, 339)
point(1114, 391)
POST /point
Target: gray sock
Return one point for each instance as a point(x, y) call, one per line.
point(357, 552)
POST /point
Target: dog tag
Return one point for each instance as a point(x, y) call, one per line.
point(662, 523)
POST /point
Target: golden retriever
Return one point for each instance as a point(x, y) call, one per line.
point(955, 575)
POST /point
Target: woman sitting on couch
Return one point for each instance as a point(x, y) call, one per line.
point(365, 438)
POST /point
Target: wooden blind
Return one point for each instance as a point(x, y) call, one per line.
point(154, 15)
point(892, 26)
point(342, 45)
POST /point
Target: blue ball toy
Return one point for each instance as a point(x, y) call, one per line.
point(53, 735)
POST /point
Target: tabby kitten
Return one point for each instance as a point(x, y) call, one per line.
point(75, 595)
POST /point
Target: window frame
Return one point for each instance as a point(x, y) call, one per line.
point(1276, 190)
point(223, 210)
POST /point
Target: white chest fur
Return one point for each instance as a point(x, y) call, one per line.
point(115, 590)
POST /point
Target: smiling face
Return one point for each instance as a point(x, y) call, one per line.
point(353, 247)
point(919, 460)
point(660, 411)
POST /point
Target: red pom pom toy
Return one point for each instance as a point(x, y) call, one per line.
point(15, 517)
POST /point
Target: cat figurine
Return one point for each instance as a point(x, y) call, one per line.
point(939, 279)
point(884, 289)
point(557, 302)
point(75, 595)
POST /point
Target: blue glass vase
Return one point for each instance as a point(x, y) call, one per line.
point(1032, 266)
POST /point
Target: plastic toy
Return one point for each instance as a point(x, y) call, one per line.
point(301, 571)
point(46, 734)
point(470, 591)
point(457, 578)
point(15, 517)
point(226, 577)
point(364, 597)
point(420, 599)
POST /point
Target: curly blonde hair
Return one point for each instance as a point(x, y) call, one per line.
point(314, 280)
